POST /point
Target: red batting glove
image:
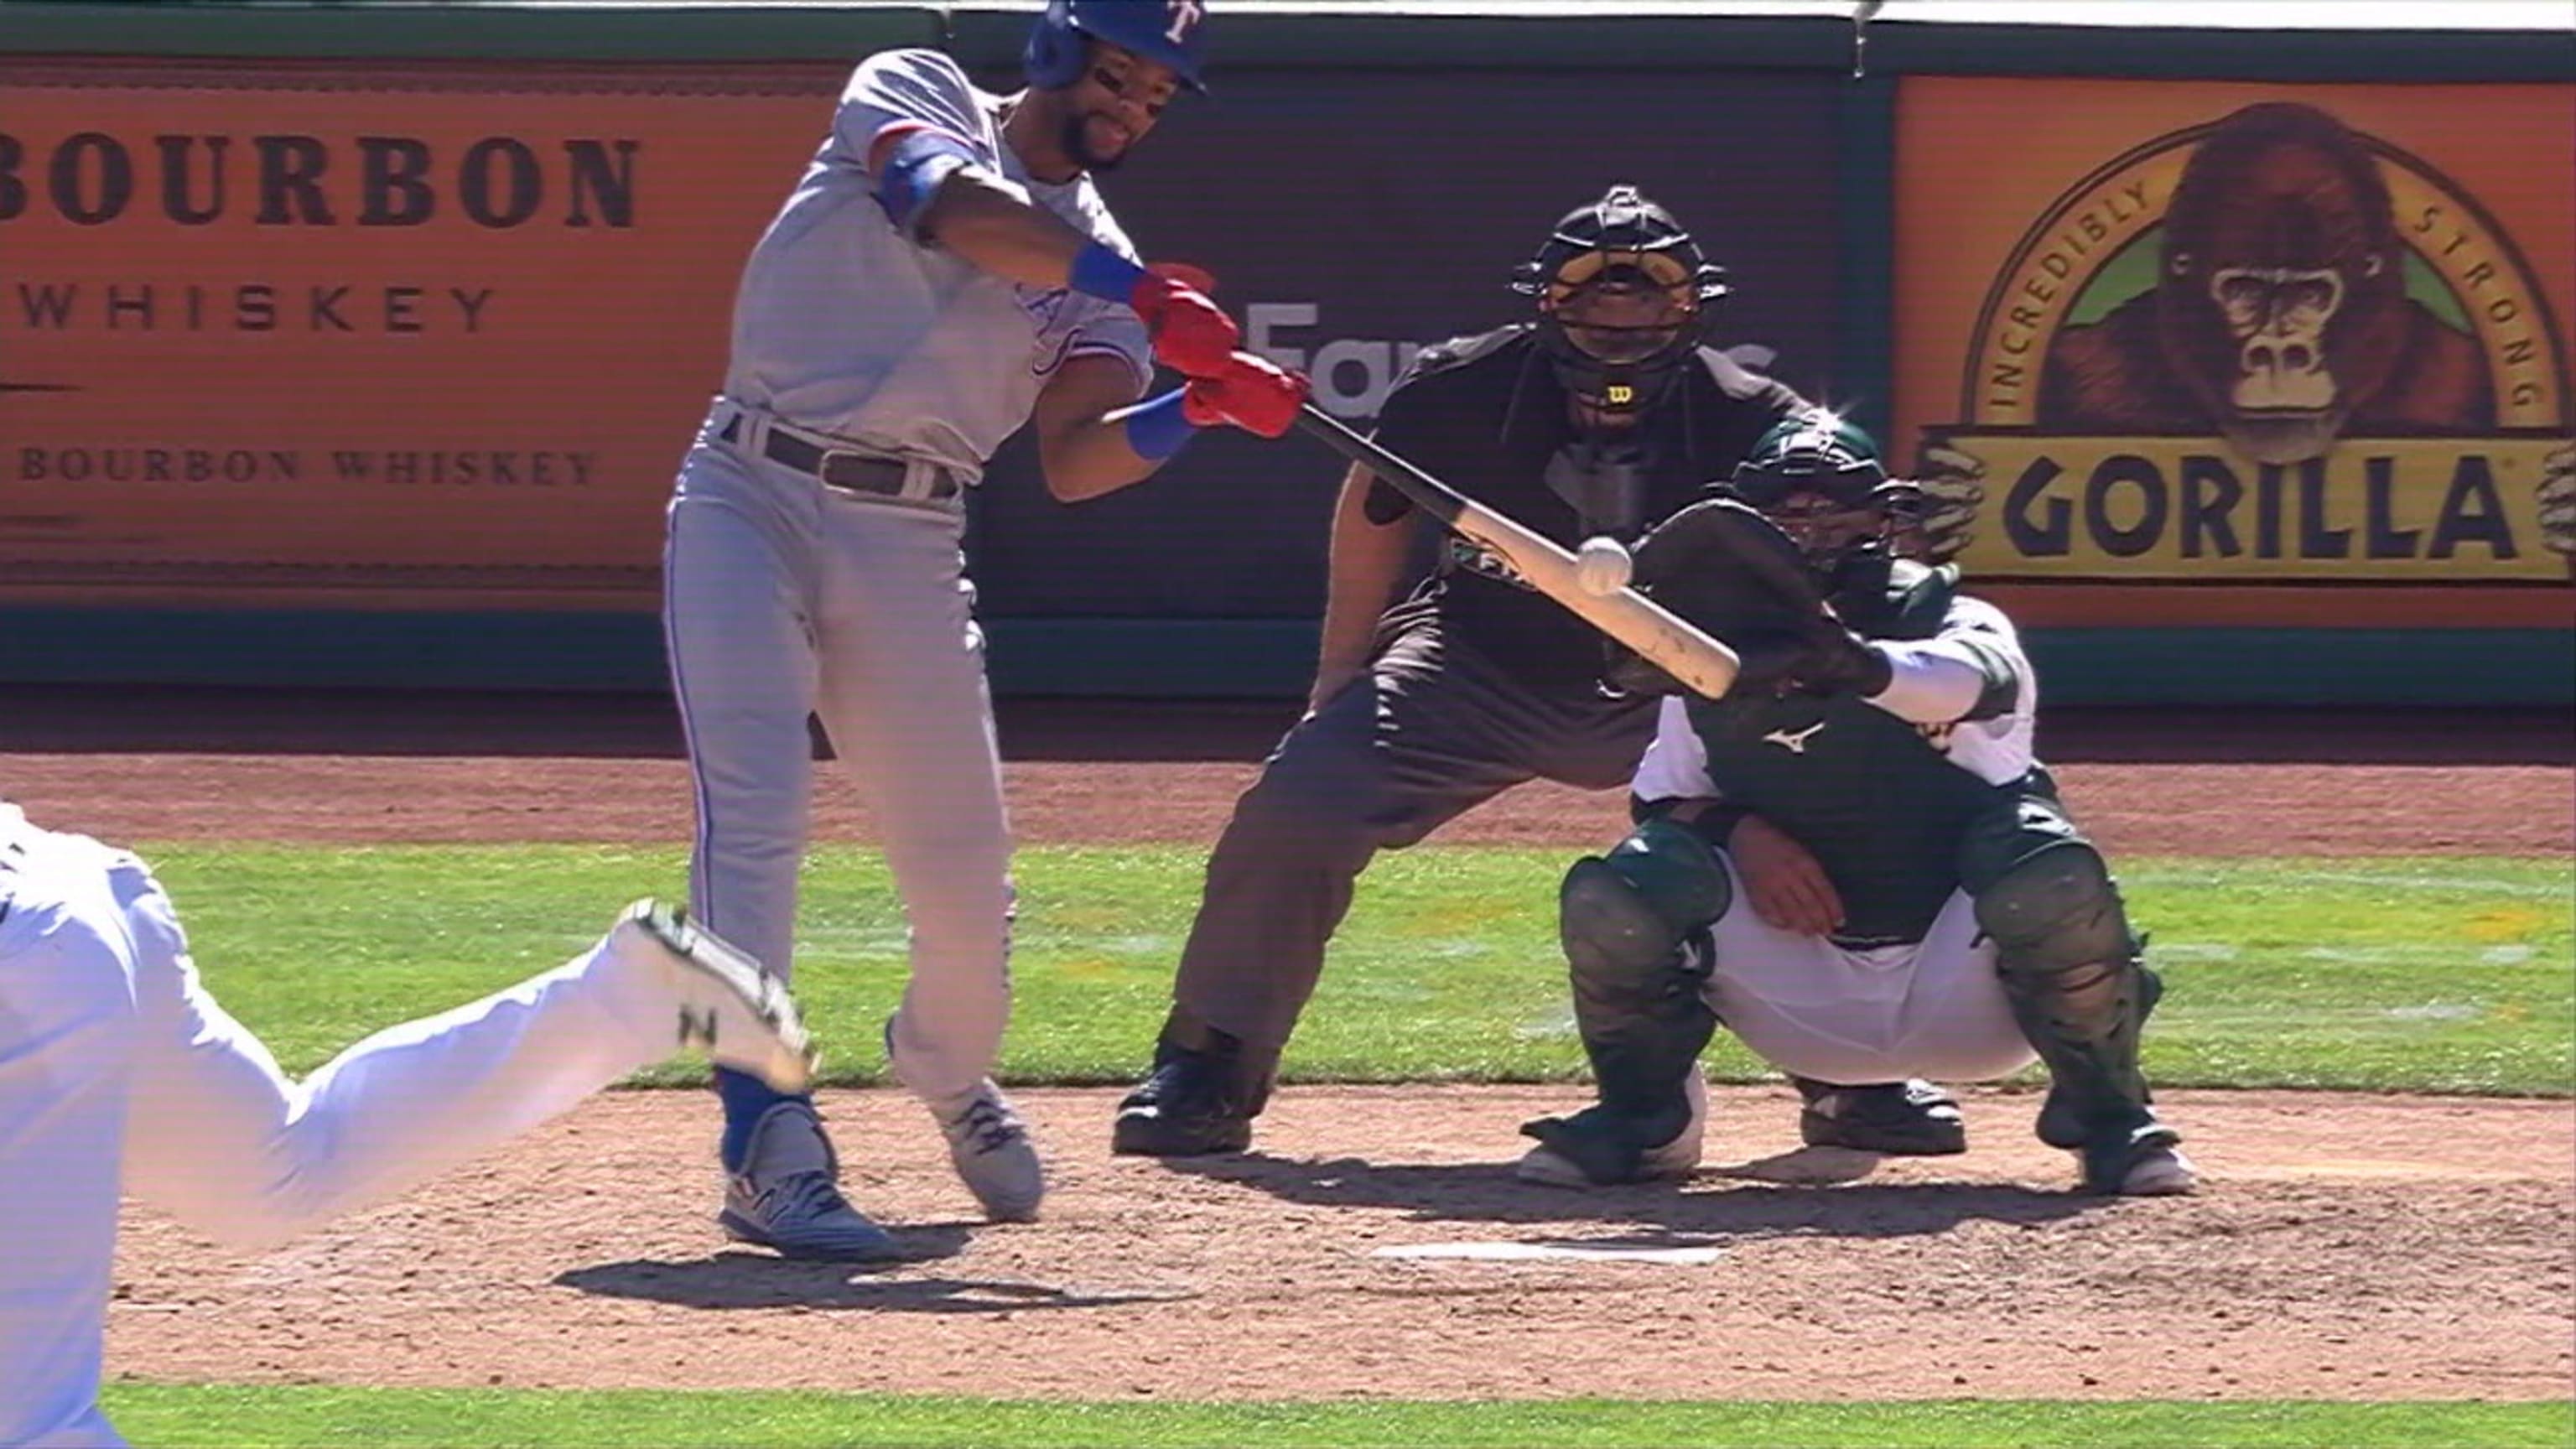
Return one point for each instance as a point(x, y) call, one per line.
point(1192, 335)
point(1251, 393)
point(1197, 279)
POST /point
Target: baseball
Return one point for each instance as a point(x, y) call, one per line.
point(1602, 565)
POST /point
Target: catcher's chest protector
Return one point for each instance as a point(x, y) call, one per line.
point(1876, 801)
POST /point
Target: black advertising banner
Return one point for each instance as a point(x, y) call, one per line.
point(1351, 218)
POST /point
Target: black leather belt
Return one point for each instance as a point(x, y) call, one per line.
point(838, 468)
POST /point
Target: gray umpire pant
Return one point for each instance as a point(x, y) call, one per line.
point(1433, 729)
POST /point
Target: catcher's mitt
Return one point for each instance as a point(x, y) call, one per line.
point(1722, 566)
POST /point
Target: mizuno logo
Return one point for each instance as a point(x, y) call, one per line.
point(1795, 744)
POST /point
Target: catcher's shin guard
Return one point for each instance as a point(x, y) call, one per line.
point(2072, 969)
point(1634, 927)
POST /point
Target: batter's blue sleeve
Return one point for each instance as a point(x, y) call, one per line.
point(912, 159)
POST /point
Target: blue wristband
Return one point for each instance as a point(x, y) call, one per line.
point(1101, 272)
point(1157, 428)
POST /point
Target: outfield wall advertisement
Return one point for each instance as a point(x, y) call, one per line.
point(2246, 355)
point(427, 338)
point(436, 336)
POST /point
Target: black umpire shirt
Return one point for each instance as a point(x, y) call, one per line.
point(1485, 415)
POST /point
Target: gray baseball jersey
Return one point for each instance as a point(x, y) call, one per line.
point(785, 594)
point(845, 325)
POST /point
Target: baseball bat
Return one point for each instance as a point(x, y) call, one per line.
point(1661, 637)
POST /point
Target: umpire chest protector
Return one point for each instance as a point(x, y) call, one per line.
point(1487, 414)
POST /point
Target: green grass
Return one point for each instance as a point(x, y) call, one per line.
point(238, 1418)
point(2435, 974)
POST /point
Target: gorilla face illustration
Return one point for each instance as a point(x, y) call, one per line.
point(2281, 296)
point(2279, 318)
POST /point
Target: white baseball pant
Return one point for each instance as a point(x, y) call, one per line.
point(1933, 1009)
point(117, 1069)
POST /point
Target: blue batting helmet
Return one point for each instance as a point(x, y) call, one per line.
point(1167, 32)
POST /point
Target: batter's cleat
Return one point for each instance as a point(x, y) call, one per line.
point(990, 1147)
point(729, 1007)
point(787, 1196)
point(993, 1155)
point(1573, 1152)
point(1187, 1108)
point(1912, 1118)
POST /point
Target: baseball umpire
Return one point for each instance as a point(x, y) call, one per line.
point(1598, 416)
point(1853, 861)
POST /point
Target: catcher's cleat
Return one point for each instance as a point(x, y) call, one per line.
point(1584, 1151)
point(989, 1146)
point(1912, 1118)
point(729, 1006)
point(1189, 1106)
point(788, 1194)
point(2138, 1161)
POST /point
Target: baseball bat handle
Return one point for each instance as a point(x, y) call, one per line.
point(1428, 493)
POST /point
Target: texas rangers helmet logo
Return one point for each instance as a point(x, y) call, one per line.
point(1186, 15)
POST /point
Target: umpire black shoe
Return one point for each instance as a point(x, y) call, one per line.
point(1900, 1119)
point(1193, 1105)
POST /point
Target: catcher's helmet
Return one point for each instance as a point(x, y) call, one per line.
point(1815, 452)
point(1820, 479)
point(1624, 299)
point(1167, 32)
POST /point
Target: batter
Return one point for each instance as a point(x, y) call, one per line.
point(943, 273)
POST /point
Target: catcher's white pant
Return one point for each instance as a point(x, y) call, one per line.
point(117, 1069)
point(781, 598)
point(1933, 1009)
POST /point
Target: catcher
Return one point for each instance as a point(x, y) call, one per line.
point(1852, 860)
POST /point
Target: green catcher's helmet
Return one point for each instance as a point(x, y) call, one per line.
point(1812, 453)
point(1819, 477)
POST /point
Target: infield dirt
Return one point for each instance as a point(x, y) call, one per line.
point(2348, 1246)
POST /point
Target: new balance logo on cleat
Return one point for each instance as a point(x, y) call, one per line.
point(1795, 744)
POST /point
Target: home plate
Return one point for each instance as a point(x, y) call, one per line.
point(1612, 1252)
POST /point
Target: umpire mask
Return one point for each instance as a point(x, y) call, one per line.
point(1623, 300)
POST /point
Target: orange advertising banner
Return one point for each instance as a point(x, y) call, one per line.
point(2224, 353)
point(401, 337)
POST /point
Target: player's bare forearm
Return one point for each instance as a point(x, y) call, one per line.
point(1082, 439)
point(1367, 559)
point(997, 231)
